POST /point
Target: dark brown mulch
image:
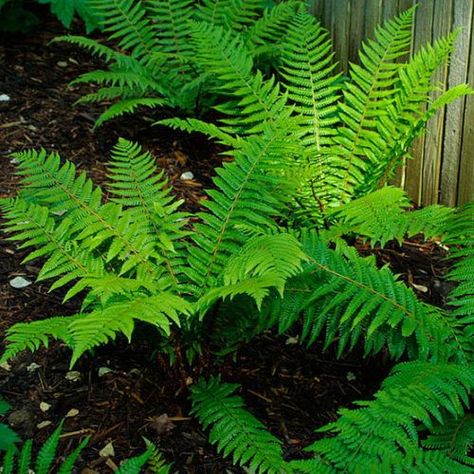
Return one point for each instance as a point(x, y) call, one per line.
point(291, 389)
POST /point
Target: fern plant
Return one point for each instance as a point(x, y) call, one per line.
point(22, 462)
point(384, 435)
point(133, 260)
point(155, 62)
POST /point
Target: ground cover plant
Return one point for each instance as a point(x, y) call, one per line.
point(154, 64)
point(247, 264)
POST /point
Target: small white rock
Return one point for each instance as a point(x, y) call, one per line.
point(104, 371)
point(187, 175)
point(5, 366)
point(44, 407)
point(4, 98)
point(351, 376)
point(73, 376)
point(72, 413)
point(14, 161)
point(421, 288)
point(43, 424)
point(107, 451)
point(33, 367)
point(20, 282)
point(291, 340)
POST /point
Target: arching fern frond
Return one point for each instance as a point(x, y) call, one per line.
point(405, 117)
point(307, 70)
point(350, 299)
point(382, 436)
point(126, 21)
point(127, 107)
point(48, 182)
point(460, 230)
point(191, 125)
point(250, 191)
point(384, 215)
point(455, 437)
point(31, 336)
point(367, 95)
point(135, 184)
point(171, 20)
point(253, 100)
point(235, 431)
point(262, 263)
point(270, 29)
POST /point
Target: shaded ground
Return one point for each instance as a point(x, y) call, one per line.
point(292, 390)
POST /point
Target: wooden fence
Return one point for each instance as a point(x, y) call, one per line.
point(442, 170)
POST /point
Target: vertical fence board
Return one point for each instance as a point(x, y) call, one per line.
point(341, 24)
point(455, 112)
point(356, 29)
point(466, 169)
point(435, 131)
point(414, 168)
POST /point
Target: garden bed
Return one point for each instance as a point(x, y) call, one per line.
point(126, 392)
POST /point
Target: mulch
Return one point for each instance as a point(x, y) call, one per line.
point(123, 393)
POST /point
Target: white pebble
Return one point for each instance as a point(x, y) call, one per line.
point(33, 367)
point(20, 282)
point(187, 175)
point(107, 451)
point(104, 371)
point(44, 406)
point(4, 98)
point(72, 413)
point(73, 376)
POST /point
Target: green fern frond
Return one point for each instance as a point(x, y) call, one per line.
point(460, 230)
point(47, 453)
point(250, 191)
point(171, 20)
point(45, 458)
point(213, 12)
point(264, 262)
point(454, 437)
point(136, 185)
point(31, 336)
point(128, 107)
point(8, 437)
point(253, 100)
point(102, 325)
point(24, 462)
point(34, 225)
point(48, 182)
point(235, 431)
point(382, 216)
point(93, 46)
point(405, 117)
point(242, 14)
point(125, 20)
point(367, 95)
point(382, 436)
point(67, 467)
point(191, 125)
point(307, 69)
point(270, 29)
point(350, 299)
